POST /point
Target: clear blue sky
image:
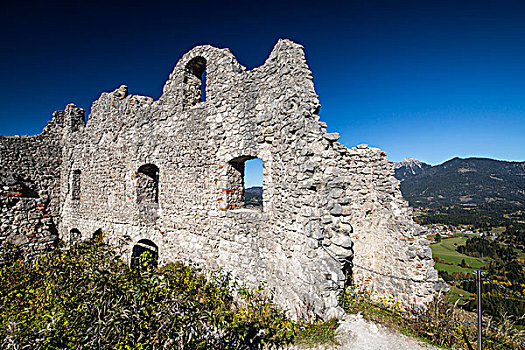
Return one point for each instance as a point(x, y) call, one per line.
point(424, 79)
point(253, 173)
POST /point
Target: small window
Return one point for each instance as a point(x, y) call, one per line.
point(246, 183)
point(253, 183)
point(75, 185)
point(195, 82)
point(74, 235)
point(145, 255)
point(147, 184)
point(203, 85)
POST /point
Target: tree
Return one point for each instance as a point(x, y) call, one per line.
point(438, 238)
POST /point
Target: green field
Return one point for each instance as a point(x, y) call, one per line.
point(456, 294)
point(451, 268)
point(446, 249)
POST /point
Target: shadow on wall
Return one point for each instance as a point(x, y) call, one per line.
point(97, 235)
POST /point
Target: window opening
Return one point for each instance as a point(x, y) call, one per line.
point(75, 184)
point(144, 255)
point(253, 183)
point(246, 179)
point(195, 82)
point(74, 235)
point(147, 184)
point(203, 85)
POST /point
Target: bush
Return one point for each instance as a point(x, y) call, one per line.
point(86, 297)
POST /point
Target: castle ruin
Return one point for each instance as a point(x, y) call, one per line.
point(167, 176)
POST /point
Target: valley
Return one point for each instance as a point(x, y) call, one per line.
point(474, 213)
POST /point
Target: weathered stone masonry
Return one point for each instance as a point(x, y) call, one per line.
point(168, 174)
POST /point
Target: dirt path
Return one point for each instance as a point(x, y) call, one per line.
point(356, 333)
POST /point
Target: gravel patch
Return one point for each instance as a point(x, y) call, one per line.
point(356, 333)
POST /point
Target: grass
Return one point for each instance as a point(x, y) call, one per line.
point(455, 294)
point(446, 250)
point(450, 268)
point(317, 333)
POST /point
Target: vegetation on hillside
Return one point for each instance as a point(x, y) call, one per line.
point(471, 181)
point(449, 260)
point(507, 274)
point(507, 219)
point(86, 297)
point(456, 258)
point(482, 247)
point(441, 324)
point(486, 197)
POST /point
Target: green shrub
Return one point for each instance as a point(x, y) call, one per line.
point(86, 297)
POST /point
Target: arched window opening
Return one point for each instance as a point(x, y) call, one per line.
point(144, 255)
point(75, 184)
point(246, 183)
point(74, 235)
point(147, 184)
point(195, 82)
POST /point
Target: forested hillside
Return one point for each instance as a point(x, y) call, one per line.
point(470, 181)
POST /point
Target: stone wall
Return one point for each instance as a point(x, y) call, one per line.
point(30, 174)
point(323, 204)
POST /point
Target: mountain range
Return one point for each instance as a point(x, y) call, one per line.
point(469, 181)
point(253, 197)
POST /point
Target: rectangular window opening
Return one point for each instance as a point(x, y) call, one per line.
point(253, 184)
point(245, 184)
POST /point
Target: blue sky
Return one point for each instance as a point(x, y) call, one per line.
point(253, 173)
point(424, 79)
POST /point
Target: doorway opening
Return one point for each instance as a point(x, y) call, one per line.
point(144, 256)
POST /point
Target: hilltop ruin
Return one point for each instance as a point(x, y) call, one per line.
point(167, 176)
